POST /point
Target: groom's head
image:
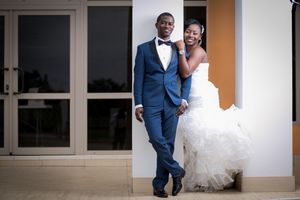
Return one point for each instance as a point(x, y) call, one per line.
point(165, 25)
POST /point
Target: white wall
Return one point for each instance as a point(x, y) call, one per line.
point(144, 17)
point(264, 81)
point(264, 87)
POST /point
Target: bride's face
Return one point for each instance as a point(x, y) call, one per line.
point(192, 35)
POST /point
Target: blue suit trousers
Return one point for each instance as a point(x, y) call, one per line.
point(161, 124)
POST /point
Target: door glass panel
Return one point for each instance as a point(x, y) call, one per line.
point(2, 54)
point(44, 53)
point(1, 81)
point(44, 123)
point(1, 123)
point(109, 124)
point(109, 49)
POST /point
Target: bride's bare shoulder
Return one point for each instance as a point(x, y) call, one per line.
point(200, 50)
point(200, 53)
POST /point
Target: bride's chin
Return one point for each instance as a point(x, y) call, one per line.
point(190, 43)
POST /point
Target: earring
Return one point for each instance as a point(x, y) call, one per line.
point(200, 42)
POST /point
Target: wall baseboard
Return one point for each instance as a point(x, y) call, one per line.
point(268, 184)
point(296, 167)
point(243, 184)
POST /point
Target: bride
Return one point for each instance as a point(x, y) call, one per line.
point(215, 143)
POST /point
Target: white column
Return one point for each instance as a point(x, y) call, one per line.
point(144, 16)
point(264, 83)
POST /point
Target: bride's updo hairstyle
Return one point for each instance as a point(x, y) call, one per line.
point(191, 21)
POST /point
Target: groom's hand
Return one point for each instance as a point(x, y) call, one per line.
point(180, 44)
point(181, 108)
point(139, 114)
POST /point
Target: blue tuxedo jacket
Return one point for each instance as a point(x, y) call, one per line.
point(152, 82)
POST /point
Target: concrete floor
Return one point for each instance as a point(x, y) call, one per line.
point(97, 181)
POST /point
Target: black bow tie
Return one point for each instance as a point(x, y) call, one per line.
point(160, 42)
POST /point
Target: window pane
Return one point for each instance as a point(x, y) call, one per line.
point(198, 13)
point(1, 54)
point(109, 124)
point(44, 53)
point(1, 124)
point(109, 49)
point(44, 123)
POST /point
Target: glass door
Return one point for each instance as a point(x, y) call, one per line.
point(4, 73)
point(42, 82)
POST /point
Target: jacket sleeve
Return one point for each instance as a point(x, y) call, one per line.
point(139, 70)
point(185, 87)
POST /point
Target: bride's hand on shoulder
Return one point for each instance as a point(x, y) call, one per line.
point(180, 44)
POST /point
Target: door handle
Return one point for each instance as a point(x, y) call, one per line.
point(3, 69)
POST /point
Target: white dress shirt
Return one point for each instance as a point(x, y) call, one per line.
point(164, 52)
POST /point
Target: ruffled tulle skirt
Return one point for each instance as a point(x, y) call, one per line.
point(216, 146)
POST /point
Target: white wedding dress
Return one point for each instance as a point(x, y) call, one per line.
point(215, 143)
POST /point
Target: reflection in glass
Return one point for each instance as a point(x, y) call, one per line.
point(44, 123)
point(1, 124)
point(109, 124)
point(1, 54)
point(44, 53)
point(109, 49)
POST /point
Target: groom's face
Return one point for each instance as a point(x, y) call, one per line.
point(165, 27)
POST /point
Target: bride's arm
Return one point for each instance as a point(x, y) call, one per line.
point(187, 67)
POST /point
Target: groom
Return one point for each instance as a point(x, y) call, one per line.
point(159, 101)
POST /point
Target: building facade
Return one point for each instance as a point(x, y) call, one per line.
point(66, 77)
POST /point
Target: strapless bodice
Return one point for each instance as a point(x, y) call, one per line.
point(203, 93)
point(201, 73)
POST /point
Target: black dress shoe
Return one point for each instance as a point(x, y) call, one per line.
point(160, 193)
point(177, 185)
